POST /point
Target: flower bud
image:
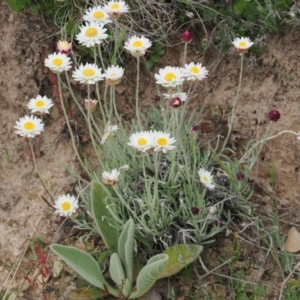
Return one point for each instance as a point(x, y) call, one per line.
point(194, 129)
point(274, 115)
point(213, 210)
point(63, 47)
point(175, 102)
point(240, 176)
point(90, 104)
point(186, 37)
point(195, 211)
point(157, 99)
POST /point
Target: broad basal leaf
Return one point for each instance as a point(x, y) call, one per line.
point(125, 248)
point(103, 218)
point(179, 257)
point(149, 274)
point(81, 262)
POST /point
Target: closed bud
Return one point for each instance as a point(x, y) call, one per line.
point(175, 102)
point(274, 115)
point(186, 37)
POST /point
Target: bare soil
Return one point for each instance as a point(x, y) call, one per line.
point(270, 81)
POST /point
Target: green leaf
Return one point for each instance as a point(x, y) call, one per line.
point(125, 248)
point(89, 293)
point(179, 257)
point(81, 262)
point(149, 63)
point(104, 221)
point(155, 57)
point(116, 270)
point(239, 6)
point(149, 274)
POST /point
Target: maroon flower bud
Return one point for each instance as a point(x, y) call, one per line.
point(195, 211)
point(186, 37)
point(274, 115)
point(240, 176)
point(195, 129)
point(156, 99)
point(175, 102)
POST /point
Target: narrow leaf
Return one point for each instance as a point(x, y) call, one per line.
point(179, 257)
point(149, 274)
point(81, 262)
point(104, 221)
point(125, 248)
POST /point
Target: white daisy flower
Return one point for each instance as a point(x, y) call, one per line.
point(40, 105)
point(66, 205)
point(162, 141)
point(58, 62)
point(194, 71)
point(169, 77)
point(97, 14)
point(116, 9)
point(206, 179)
point(242, 44)
point(141, 141)
point(113, 75)
point(182, 96)
point(91, 34)
point(29, 126)
point(109, 131)
point(137, 46)
point(110, 178)
point(88, 73)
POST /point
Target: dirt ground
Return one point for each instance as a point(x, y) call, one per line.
point(269, 82)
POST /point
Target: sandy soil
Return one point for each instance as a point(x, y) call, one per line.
point(269, 82)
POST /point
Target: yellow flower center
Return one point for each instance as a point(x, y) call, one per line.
point(40, 103)
point(170, 77)
point(137, 44)
point(98, 14)
point(88, 72)
point(162, 141)
point(204, 178)
point(242, 44)
point(142, 141)
point(29, 125)
point(57, 61)
point(91, 32)
point(115, 6)
point(66, 206)
point(195, 70)
point(63, 44)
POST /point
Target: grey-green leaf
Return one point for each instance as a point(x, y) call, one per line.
point(125, 248)
point(83, 263)
point(104, 220)
point(149, 274)
point(179, 257)
point(116, 270)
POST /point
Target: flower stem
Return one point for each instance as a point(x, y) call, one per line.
point(234, 105)
point(70, 129)
point(137, 93)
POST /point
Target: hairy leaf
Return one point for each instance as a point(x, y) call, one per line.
point(125, 248)
point(104, 220)
point(149, 274)
point(116, 270)
point(179, 257)
point(83, 263)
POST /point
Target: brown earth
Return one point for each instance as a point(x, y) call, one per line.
point(269, 82)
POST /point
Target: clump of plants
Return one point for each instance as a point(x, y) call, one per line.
point(157, 188)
